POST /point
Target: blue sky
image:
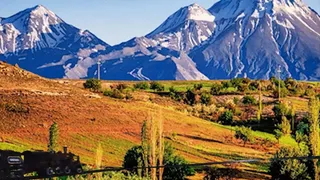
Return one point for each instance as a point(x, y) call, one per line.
point(114, 21)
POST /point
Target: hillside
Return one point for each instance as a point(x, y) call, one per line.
point(29, 104)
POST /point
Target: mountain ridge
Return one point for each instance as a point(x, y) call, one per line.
point(231, 39)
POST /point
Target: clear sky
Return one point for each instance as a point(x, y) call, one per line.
point(114, 21)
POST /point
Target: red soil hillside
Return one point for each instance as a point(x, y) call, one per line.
point(30, 104)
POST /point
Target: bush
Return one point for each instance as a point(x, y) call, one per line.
point(206, 99)
point(285, 126)
point(114, 93)
point(174, 94)
point(310, 92)
point(226, 84)
point(128, 96)
point(16, 108)
point(277, 134)
point(288, 169)
point(92, 84)
point(283, 93)
point(156, 86)
point(177, 166)
point(245, 134)
point(142, 85)
point(121, 87)
point(280, 110)
point(198, 86)
point(216, 89)
point(236, 100)
point(243, 87)
point(226, 118)
point(133, 158)
point(253, 86)
point(249, 100)
point(191, 97)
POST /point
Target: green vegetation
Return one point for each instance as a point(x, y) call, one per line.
point(156, 86)
point(245, 134)
point(313, 143)
point(226, 118)
point(249, 100)
point(142, 85)
point(288, 169)
point(53, 137)
point(92, 84)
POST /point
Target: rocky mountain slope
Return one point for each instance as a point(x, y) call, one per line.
point(253, 38)
point(37, 40)
point(233, 38)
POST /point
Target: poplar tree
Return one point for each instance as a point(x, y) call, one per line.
point(53, 138)
point(313, 136)
point(145, 147)
point(259, 115)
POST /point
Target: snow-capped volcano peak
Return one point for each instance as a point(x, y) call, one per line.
point(38, 17)
point(198, 13)
point(193, 12)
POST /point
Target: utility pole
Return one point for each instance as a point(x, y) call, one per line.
point(279, 72)
point(99, 63)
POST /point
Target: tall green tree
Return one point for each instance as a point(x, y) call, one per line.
point(313, 136)
point(53, 137)
point(259, 114)
point(145, 148)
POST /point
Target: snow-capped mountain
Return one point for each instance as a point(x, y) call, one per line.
point(185, 29)
point(37, 38)
point(161, 55)
point(253, 37)
point(140, 59)
point(233, 38)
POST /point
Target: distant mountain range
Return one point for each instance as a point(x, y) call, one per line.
point(233, 38)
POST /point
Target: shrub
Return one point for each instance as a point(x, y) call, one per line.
point(198, 86)
point(156, 86)
point(121, 87)
point(142, 85)
point(245, 134)
point(283, 92)
point(128, 96)
point(133, 158)
point(285, 126)
point(16, 108)
point(114, 93)
point(206, 98)
point(253, 86)
point(249, 100)
point(278, 134)
point(226, 84)
point(92, 84)
point(288, 169)
point(236, 100)
point(177, 166)
point(290, 83)
point(190, 97)
point(226, 118)
point(216, 89)
point(280, 110)
point(243, 87)
point(174, 94)
point(310, 92)
point(230, 105)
